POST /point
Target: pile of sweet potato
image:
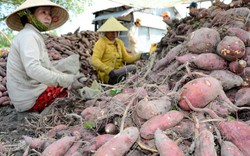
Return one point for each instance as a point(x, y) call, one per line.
point(79, 42)
point(4, 96)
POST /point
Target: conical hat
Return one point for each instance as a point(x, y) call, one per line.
point(59, 14)
point(112, 25)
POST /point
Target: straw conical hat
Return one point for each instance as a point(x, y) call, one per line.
point(59, 14)
point(112, 25)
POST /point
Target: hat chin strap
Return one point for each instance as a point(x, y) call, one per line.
point(39, 25)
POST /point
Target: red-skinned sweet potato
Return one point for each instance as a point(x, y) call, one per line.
point(90, 113)
point(247, 25)
point(186, 58)
point(127, 93)
point(185, 128)
point(247, 56)
point(237, 66)
point(220, 107)
point(35, 143)
point(209, 37)
point(209, 61)
point(59, 147)
point(231, 48)
point(238, 133)
point(85, 133)
point(73, 148)
point(146, 109)
point(165, 145)
point(51, 133)
point(163, 122)
point(97, 142)
point(241, 11)
point(242, 97)
point(246, 76)
point(229, 149)
point(241, 34)
point(204, 145)
point(169, 57)
point(119, 144)
point(227, 79)
point(200, 92)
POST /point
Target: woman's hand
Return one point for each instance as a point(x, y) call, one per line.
point(78, 81)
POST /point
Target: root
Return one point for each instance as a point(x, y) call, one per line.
point(126, 111)
point(225, 99)
point(204, 110)
point(146, 148)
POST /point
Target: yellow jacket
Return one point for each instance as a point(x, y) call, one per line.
point(108, 55)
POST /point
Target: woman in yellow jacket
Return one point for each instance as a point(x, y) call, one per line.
point(110, 55)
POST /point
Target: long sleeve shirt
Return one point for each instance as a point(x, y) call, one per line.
point(109, 55)
point(29, 70)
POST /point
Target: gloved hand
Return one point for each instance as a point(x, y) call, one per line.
point(77, 83)
point(112, 74)
point(145, 56)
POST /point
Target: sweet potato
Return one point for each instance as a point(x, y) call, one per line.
point(85, 133)
point(231, 94)
point(242, 97)
point(146, 109)
point(238, 133)
point(119, 144)
point(165, 145)
point(185, 128)
point(90, 113)
point(2, 88)
point(4, 100)
point(35, 143)
point(111, 128)
point(209, 61)
point(52, 133)
point(163, 122)
point(73, 148)
point(77, 153)
point(209, 37)
point(59, 147)
point(246, 75)
point(229, 149)
point(97, 142)
point(169, 69)
point(127, 93)
point(227, 79)
point(220, 17)
point(186, 58)
point(241, 34)
point(231, 48)
point(169, 57)
point(205, 144)
point(220, 107)
point(200, 92)
point(247, 56)
point(241, 11)
point(237, 66)
point(247, 26)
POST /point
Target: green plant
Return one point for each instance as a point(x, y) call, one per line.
point(88, 125)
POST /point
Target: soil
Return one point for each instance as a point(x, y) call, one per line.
point(14, 125)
